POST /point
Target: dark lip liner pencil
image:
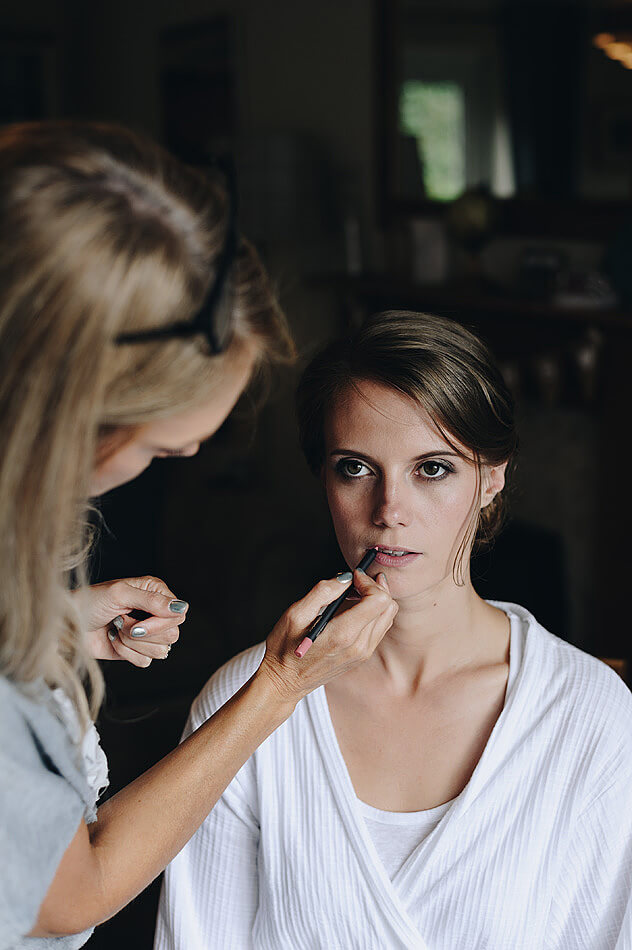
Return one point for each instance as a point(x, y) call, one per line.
point(321, 622)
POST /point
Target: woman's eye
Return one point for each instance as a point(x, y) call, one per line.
point(351, 468)
point(433, 470)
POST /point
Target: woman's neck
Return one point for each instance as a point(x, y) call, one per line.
point(447, 629)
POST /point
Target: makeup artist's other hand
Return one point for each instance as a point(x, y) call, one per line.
point(349, 638)
point(106, 609)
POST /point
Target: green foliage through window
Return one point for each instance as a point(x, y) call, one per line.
point(434, 113)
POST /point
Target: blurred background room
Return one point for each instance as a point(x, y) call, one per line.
point(465, 157)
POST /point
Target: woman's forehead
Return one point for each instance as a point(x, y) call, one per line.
point(372, 413)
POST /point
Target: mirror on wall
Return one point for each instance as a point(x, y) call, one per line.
point(532, 100)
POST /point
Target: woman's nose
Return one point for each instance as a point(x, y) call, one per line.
point(390, 507)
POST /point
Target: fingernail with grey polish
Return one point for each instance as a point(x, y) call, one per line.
point(118, 622)
point(178, 606)
point(344, 577)
point(112, 635)
point(138, 631)
point(360, 571)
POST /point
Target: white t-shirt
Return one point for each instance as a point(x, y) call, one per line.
point(396, 834)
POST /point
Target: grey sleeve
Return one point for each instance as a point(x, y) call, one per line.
point(39, 815)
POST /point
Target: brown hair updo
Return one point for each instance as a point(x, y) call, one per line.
point(434, 361)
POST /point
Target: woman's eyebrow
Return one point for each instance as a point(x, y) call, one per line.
point(417, 458)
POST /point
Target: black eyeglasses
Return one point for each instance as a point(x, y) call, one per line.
point(214, 318)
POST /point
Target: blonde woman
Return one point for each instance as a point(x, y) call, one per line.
point(468, 787)
point(132, 316)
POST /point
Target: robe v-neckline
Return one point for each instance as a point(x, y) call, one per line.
point(392, 894)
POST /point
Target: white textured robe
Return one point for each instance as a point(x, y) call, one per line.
point(536, 852)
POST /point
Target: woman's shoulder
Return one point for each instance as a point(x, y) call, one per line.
point(37, 755)
point(584, 687)
point(13, 724)
point(13, 695)
point(24, 714)
point(40, 807)
point(225, 682)
point(35, 733)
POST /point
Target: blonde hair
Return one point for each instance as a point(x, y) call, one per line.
point(444, 368)
point(101, 232)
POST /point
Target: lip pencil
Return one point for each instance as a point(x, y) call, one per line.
point(321, 622)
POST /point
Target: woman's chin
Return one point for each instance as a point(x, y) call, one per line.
point(404, 588)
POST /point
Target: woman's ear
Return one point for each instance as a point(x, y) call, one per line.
point(493, 482)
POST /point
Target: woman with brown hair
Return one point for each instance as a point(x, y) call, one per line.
point(132, 316)
point(470, 784)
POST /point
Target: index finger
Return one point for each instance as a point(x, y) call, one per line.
point(374, 599)
point(374, 602)
point(305, 610)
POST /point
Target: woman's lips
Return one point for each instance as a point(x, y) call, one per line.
point(395, 560)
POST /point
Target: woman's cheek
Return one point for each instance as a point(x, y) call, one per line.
point(340, 512)
point(131, 463)
point(344, 510)
point(452, 512)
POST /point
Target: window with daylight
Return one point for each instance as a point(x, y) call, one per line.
point(433, 113)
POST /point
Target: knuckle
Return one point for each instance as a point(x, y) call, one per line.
point(120, 589)
point(150, 579)
point(322, 587)
point(173, 635)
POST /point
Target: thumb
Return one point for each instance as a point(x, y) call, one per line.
point(365, 585)
point(151, 601)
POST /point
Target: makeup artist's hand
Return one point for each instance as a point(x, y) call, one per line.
point(349, 638)
point(106, 608)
